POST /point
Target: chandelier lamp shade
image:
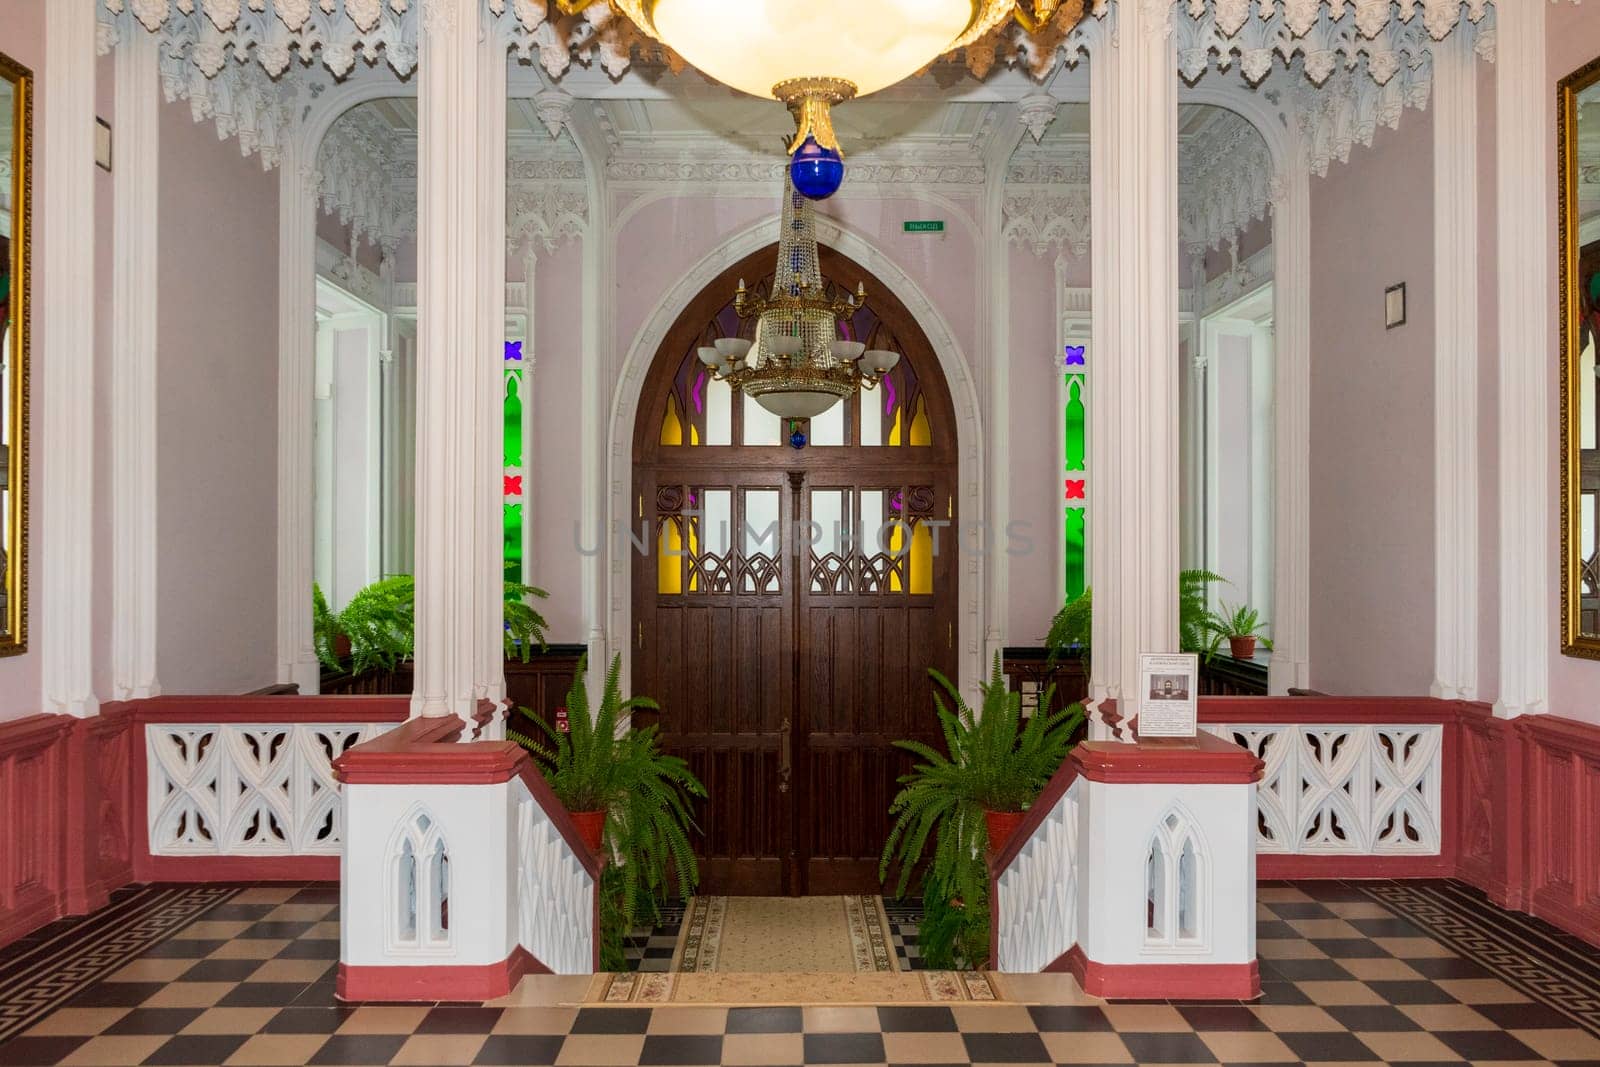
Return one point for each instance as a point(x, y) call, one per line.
point(812, 54)
point(799, 362)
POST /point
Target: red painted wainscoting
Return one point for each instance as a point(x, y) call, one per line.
point(1520, 801)
point(73, 802)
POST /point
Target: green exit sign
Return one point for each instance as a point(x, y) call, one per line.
point(924, 225)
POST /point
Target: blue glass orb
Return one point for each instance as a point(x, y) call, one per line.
point(797, 439)
point(816, 171)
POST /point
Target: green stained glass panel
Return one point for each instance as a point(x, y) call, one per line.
point(513, 542)
point(513, 444)
point(1075, 429)
point(1076, 558)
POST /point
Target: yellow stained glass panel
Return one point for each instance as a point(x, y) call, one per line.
point(669, 559)
point(671, 425)
point(921, 558)
point(921, 432)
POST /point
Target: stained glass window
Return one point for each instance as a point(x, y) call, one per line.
point(514, 500)
point(1075, 468)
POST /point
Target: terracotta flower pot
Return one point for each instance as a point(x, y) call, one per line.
point(591, 827)
point(1242, 647)
point(341, 646)
point(1002, 824)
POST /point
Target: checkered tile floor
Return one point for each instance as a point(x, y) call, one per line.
point(1393, 973)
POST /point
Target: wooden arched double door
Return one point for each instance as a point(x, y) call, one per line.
point(788, 602)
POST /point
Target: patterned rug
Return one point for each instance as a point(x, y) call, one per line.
point(835, 935)
point(749, 988)
point(41, 972)
point(1525, 953)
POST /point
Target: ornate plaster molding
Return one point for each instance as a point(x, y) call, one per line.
point(546, 212)
point(275, 33)
point(767, 171)
point(1035, 112)
point(1380, 36)
point(1348, 109)
point(356, 179)
point(1039, 216)
point(1230, 184)
point(341, 268)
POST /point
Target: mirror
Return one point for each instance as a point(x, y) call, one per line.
point(1578, 136)
point(16, 129)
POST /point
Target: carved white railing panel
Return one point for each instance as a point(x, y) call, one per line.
point(247, 790)
point(1037, 895)
point(1346, 789)
point(555, 895)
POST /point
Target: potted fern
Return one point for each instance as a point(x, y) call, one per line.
point(1070, 627)
point(1243, 626)
point(377, 629)
point(970, 799)
point(630, 801)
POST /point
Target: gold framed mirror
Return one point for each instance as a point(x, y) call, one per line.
point(1578, 154)
point(16, 187)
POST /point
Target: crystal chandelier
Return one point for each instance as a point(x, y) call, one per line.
point(797, 367)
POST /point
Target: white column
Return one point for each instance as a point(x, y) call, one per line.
point(1291, 433)
point(530, 385)
point(1193, 400)
point(457, 621)
point(1455, 367)
point(390, 423)
point(297, 327)
point(324, 476)
point(489, 681)
point(1134, 429)
point(604, 577)
point(994, 298)
point(1522, 210)
point(64, 540)
point(135, 187)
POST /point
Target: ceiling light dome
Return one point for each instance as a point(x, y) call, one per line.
point(753, 45)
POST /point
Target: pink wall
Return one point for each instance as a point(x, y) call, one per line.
point(217, 416)
point(24, 41)
point(1035, 467)
point(1572, 39)
point(1371, 581)
point(557, 497)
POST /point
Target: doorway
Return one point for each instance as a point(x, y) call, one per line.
point(789, 601)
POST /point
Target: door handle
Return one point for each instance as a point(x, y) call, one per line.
point(785, 767)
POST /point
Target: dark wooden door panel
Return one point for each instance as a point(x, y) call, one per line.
point(785, 673)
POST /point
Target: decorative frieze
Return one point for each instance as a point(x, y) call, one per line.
point(356, 181)
point(1043, 215)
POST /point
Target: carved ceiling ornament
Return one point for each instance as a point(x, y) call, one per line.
point(1226, 182)
point(359, 180)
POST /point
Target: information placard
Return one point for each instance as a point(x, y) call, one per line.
point(1167, 705)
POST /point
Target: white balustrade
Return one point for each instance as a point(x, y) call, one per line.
point(555, 894)
point(458, 875)
point(256, 789)
point(1036, 897)
point(1354, 790)
point(1140, 879)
